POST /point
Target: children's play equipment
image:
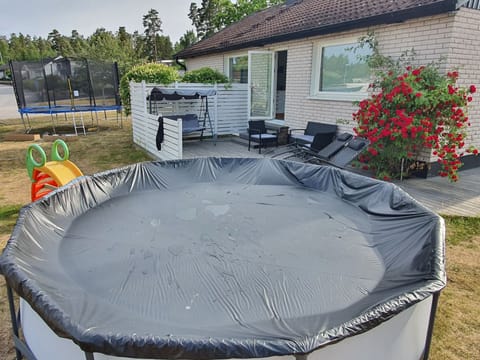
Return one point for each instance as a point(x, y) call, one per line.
point(47, 176)
point(65, 86)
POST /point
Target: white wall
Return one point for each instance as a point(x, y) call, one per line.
point(464, 53)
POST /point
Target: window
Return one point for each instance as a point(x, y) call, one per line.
point(340, 72)
point(238, 69)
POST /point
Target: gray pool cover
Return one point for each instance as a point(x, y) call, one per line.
point(222, 258)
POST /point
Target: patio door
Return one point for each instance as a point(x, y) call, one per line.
point(261, 85)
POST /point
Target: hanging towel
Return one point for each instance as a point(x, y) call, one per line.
point(160, 133)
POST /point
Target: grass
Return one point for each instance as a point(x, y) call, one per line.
point(8, 217)
point(457, 326)
point(461, 228)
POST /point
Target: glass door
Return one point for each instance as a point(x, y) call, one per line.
point(260, 81)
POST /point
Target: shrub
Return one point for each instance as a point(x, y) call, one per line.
point(205, 75)
point(151, 73)
point(411, 111)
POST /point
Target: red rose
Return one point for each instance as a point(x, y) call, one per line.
point(416, 72)
point(473, 89)
point(418, 94)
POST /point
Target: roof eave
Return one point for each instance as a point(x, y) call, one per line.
point(396, 17)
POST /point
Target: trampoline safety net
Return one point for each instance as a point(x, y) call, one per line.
point(63, 85)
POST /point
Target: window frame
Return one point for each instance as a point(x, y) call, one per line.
point(227, 65)
point(315, 93)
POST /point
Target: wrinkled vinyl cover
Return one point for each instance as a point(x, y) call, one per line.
point(222, 258)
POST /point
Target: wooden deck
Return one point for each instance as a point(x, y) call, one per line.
point(446, 198)
point(436, 193)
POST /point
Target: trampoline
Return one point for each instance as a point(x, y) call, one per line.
point(219, 258)
point(65, 86)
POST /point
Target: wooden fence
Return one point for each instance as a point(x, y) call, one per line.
point(227, 109)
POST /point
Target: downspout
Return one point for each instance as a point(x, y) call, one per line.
point(177, 61)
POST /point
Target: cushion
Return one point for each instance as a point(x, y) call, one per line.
point(357, 144)
point(316, 127)
point(304, 138)
point(264, 136)
point(344, 136)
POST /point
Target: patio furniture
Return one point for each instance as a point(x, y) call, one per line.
point(190, 124)
point(257, 132)
point(313, 128)
point(280, 128)
point(335, 146)
point(341, 152)
point(349, 152)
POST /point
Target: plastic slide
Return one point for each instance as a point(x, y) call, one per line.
point(48, 176)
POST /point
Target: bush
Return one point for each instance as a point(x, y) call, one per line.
point(205, 76)
point(150, 73)
point(411, 111)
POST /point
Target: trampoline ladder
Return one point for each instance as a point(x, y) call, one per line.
point(81, 125)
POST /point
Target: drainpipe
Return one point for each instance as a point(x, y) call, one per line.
point(177, 61)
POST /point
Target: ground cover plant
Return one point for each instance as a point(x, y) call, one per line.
point(457, 326)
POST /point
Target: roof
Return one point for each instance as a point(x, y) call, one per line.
point(304, 18)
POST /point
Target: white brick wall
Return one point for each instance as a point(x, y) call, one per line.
point(464, 54)
point(429, 37)
point(213, 61)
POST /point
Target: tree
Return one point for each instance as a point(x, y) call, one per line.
point(60, 43)
point(187, 39)
point(128, 56)
point(22, 48)
point(103, 45)
point(153, 26)
point(207, 19)
point(164, 47)
point(78, 44)
point(44, 48)
point(214, 15)
point(4, 51)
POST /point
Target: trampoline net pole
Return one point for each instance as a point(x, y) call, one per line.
point(91, 92)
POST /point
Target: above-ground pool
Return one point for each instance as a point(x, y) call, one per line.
point(226, 258)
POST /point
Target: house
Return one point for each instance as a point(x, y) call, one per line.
point(298, 62)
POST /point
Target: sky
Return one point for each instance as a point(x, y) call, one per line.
point(39, 17)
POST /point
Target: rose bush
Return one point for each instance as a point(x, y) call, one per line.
point(418, 110)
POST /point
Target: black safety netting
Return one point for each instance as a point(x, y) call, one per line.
point(74, 84)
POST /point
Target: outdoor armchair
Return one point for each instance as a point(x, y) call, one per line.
point(257, 132)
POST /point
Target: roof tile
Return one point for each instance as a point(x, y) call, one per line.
point(312, 17)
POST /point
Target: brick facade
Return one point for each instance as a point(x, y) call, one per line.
point(454, 36)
